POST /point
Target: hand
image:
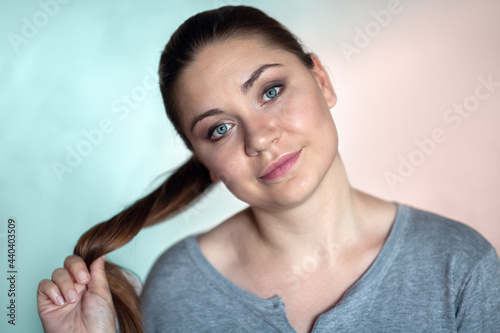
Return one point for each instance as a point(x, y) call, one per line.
point(76, 300)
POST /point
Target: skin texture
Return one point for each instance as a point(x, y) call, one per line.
point(86, 306)
point(262, 130)
point(308, 212)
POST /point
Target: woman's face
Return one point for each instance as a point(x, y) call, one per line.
point(259, 120)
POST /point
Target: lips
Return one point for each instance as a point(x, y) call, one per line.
point(281, 166)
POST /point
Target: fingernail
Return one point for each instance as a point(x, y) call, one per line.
point(72, 295)
point(83, 277)
point(60, 300)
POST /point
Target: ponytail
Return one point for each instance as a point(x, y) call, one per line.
point(174, 195)
point(192, 179)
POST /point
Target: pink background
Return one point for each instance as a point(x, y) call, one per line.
point(398, 90)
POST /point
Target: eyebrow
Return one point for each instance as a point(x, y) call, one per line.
point(209, 113)
point(244, 88)
point(255, 75)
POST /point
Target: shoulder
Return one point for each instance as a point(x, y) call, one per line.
point(184, 293)
point(188, 261)
point(172, 287)
point(172, 264)
point(433, 234)
point(435, 255)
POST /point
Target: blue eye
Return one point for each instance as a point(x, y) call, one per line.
point(271, 93)
point(220, 131)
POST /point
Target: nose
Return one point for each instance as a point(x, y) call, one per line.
point(260, 134)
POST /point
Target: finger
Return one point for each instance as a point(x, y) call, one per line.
point(62, 278)
point(98, 280)
point(49, 290)
point(78, 269)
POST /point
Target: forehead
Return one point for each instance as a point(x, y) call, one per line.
point(235, 56)
point(220, 69)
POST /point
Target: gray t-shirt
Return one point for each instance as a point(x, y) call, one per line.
point(432, 275)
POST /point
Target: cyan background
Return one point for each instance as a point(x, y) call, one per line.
point(82, 62)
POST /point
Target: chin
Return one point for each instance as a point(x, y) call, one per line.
point(291, 193)
point(293, 189)
point(303, 186)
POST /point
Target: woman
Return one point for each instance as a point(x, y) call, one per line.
point(310, 253)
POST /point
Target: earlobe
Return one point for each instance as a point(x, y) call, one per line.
point(213, 177)
point(324, 81)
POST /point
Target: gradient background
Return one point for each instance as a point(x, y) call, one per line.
point(86, 57)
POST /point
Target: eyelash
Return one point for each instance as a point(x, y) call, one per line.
point(273, 85)
point(211, 130)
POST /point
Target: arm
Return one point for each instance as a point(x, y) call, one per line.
point(478, 307)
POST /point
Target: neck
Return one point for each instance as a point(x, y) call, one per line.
point(329, 218)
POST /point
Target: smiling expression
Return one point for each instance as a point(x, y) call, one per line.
point(259, 120)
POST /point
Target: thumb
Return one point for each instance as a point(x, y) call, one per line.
point(98, 281)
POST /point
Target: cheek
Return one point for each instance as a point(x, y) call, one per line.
point(304, 111)
point(293, 114)
point(227, 166)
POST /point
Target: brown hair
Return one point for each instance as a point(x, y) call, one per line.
point(190, 180)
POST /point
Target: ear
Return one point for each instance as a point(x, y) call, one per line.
point(324, 82)
point(213, 176)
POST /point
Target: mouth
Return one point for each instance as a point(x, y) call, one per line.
point(280, 167)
